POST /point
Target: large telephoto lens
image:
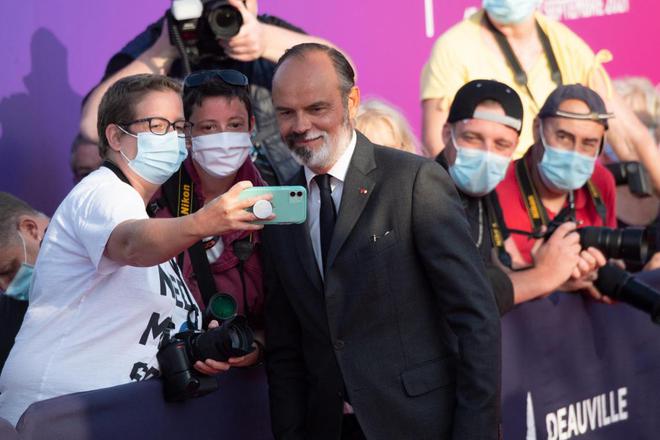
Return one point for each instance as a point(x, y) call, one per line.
point(630, 244)
point(621, 286)
point(225, 20)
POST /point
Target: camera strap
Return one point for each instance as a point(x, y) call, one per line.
point(512, 60)
point(601, 209)
point(115, 169)
point(538, 216)
point(498, 230)
point(179, 196)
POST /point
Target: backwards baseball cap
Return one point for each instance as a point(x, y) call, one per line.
point(597, 110)
point(475, 92)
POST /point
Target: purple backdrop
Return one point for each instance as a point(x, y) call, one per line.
point(55, 51)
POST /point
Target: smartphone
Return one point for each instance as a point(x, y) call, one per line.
point(289, 203)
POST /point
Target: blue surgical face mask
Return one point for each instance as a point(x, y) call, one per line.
point(19, 287)
point(510, 11)
point(477, 172)
point(564, 170)
point(158, 156)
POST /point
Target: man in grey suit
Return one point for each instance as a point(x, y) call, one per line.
point(380, 322)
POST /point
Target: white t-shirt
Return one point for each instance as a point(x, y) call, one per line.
point(91, 323)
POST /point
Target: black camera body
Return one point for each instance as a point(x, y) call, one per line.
point(178, 354)
point(195, 26)
point(634, 175)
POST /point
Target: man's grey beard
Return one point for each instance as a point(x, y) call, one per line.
point(327, 154)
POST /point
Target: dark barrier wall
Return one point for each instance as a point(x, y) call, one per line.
point(576, 368)
point(572, 368)
point(55, 51)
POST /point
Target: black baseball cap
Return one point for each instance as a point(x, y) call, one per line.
point(597, 110)
point(475, 92)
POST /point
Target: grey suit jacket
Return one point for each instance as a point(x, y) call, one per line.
point(404, 324)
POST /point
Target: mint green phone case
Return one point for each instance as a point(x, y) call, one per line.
point(289, 203)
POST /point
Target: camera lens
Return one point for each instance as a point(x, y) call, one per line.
point(292, 193)
point(225, 21)
point(232, 339)
point(630, 244)
point(299, 194)
point(222, 306)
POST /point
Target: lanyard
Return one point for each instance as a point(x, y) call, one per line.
point(512, 60)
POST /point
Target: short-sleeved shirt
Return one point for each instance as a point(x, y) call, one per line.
point(516, 216)
point(461, 55)
point(91, 323)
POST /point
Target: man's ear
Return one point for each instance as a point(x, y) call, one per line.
point(446, 134)
point(28, 227)
point(353, 102)
point(450, 149)
point(113, 134)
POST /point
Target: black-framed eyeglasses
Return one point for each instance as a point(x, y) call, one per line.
point(161, 126)
point(229, 76)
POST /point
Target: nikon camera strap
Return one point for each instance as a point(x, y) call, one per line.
point(178, 196)
point(538, 216)
point(178, 193)
point(512, 60)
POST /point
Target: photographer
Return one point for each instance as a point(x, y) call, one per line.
point(21, 231)
point(261, 41)
point(561, 177)
point(217, 103)
point(532, 54)
point(105, 288)
point(481, 134)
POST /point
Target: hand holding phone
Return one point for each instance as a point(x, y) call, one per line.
point(288, 203)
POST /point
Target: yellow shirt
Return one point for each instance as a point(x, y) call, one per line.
point(460, 55)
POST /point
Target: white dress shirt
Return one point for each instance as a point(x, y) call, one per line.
point(337, 176)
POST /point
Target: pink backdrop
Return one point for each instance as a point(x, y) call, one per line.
point(56, 50)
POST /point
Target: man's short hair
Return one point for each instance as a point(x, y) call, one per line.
point(118, 103)
point(10, 209)
point(344, 70)
point(215, 87)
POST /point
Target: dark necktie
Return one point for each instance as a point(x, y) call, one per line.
point(327, 214)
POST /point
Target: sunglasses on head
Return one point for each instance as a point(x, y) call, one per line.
point(229, 76)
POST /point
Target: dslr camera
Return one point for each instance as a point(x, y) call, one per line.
point(178, 354)
point(632, 244)
point(634, 175)
point(195, 26)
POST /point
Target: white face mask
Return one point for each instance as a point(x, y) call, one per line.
point(221, 154)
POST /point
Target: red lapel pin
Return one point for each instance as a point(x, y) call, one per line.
point(363, 191)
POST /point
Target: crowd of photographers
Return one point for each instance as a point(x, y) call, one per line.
point(155, 243)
